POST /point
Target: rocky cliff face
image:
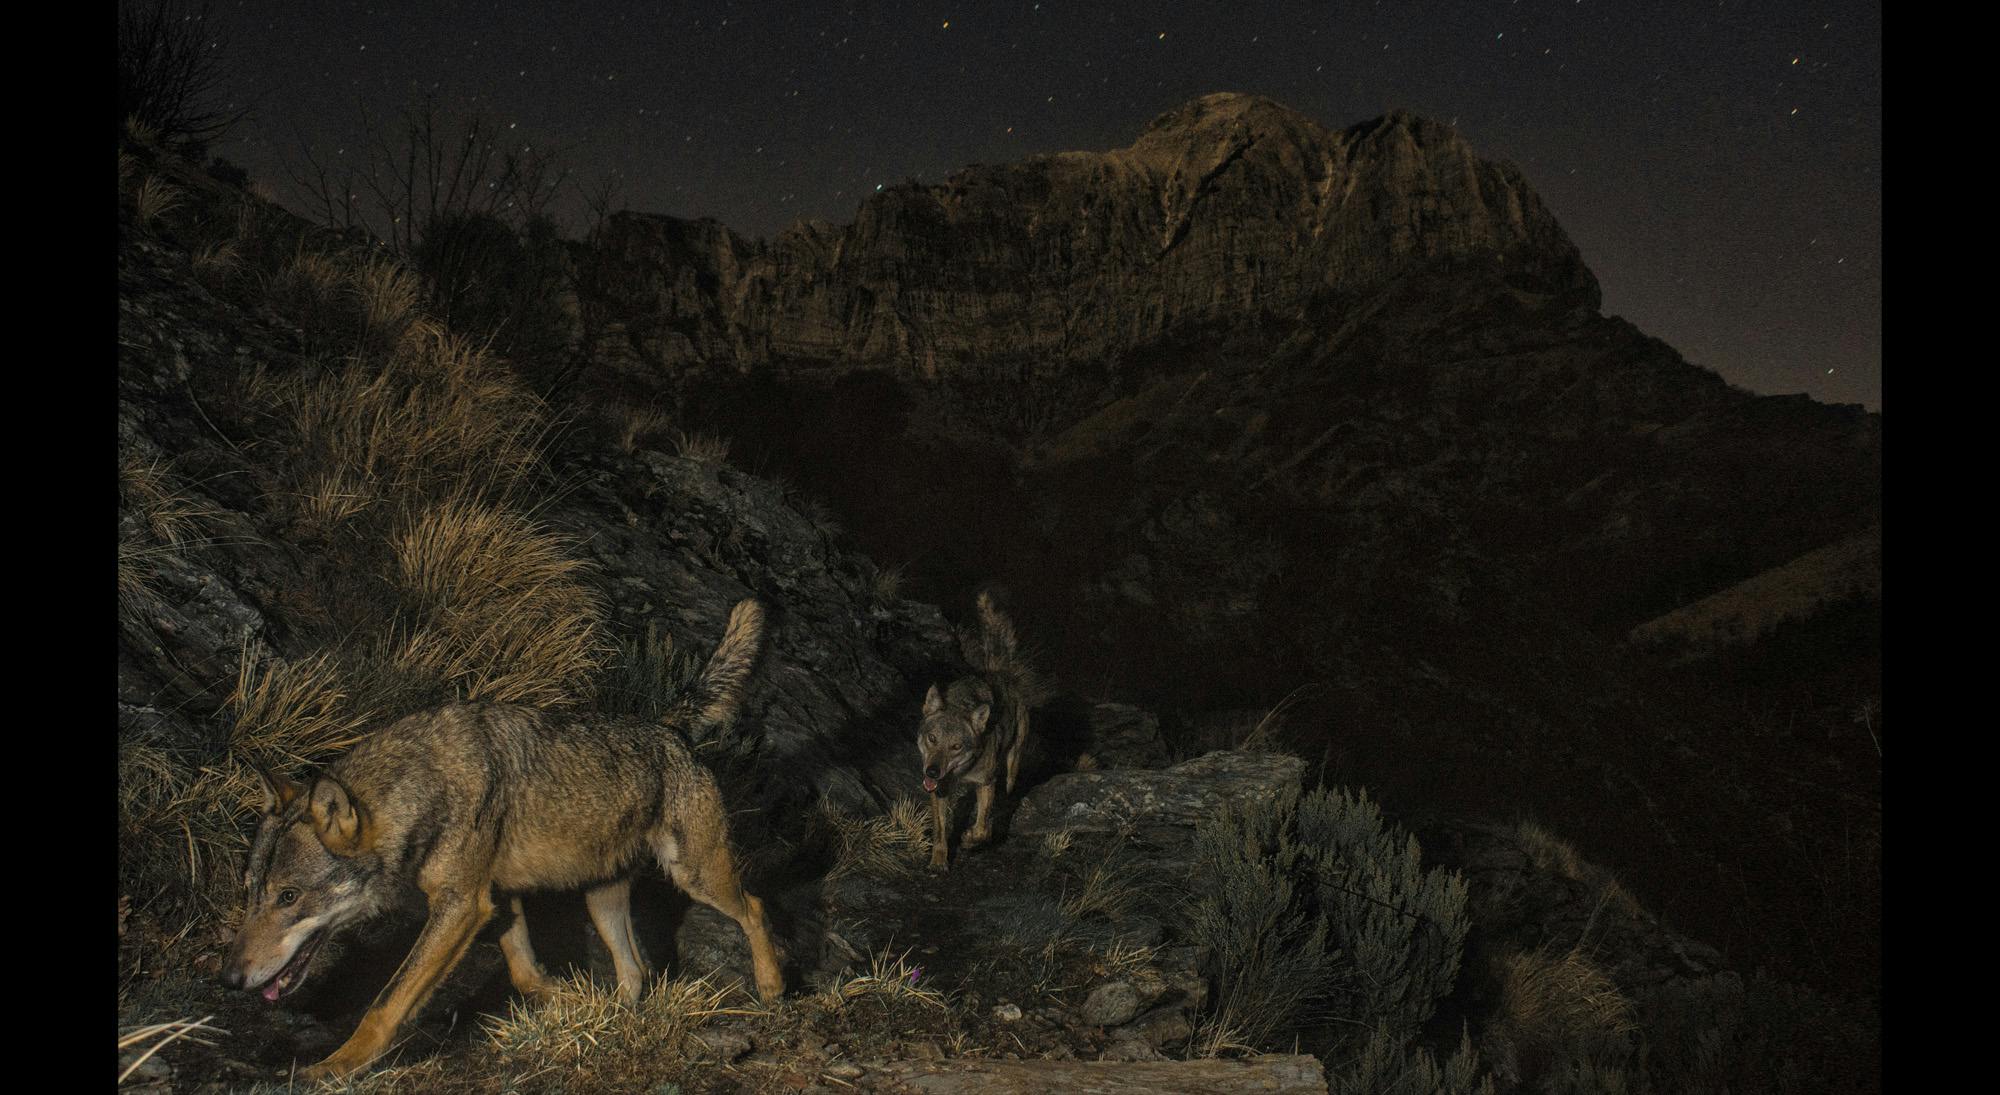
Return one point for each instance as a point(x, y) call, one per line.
point(1229, 207)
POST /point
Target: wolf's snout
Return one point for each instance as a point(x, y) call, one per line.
point(232, 976)
point(931, 771)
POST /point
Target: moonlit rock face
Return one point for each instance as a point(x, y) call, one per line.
point(1231, 203)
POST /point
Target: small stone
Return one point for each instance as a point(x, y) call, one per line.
point(1111, 1004)
point(843, 1070)
point(1007, 1013)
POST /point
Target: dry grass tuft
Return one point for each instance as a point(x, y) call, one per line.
point(181, 832)
point(156, 198)
point(1055, 843)
point(307, 289)
point(1122, 957)
point(632, 423)
point(166, 520)
point(140, 131)
point(578, 1037)
point(170, 516)
point(1549, 852)
point(312, 276)
point(1213, 1038)
point(390, 297)
point(887, 585)
point(292, 713)
point(578, 1017)
point(701, 447)
point(498, 606)
point(1548, 1002)
point(334, 497)
point(1108, 888)
point(213, 263)
point(1264, 734)
point(894, 845)
point(888, 980)
point(437, 419)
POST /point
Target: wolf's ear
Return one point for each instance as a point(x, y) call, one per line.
point(279, 791)
point(933, 703)
point(979, 716)
point(339, 821)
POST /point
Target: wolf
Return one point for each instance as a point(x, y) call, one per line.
point(978, 726)
point(476, 799)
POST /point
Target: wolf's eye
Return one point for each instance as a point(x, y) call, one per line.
point(287, 896)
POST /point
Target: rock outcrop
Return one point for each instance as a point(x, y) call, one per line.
point(1176, 797)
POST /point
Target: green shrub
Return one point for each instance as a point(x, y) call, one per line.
point(646, 676)
point(1265, 948)
point(1388, 1066)
point(1309, 909)
point(1401, 928)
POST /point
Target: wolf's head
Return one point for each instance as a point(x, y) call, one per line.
point(953, 728)
point(310, 874)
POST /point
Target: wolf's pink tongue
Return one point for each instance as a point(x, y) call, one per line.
point(271, 991)
point(930, 784)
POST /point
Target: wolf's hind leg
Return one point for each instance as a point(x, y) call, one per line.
point(709, 876)
point(522, 968)
point(611, 910)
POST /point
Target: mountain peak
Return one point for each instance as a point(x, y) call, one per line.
point(1229, 110)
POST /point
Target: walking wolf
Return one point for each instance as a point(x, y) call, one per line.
point(977, 725)
point(474, 798)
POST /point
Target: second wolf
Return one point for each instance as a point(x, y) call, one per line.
point(977, 727)
point(477, 799)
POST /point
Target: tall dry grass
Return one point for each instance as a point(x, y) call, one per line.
point(894, 845)
point(160, 515)
point(437, 418)
point(496, 606)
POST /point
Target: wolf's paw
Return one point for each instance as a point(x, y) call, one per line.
point(327, 1071)
point(536, 989)
point(537, 994)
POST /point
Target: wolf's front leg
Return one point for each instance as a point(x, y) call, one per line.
point(940, 855)
point(453, 922)
point(982, 817)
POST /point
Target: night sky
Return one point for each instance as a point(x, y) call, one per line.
point(1719, 164)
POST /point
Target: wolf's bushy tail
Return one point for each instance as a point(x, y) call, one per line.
point(716, 695)
point(996, 651)
point(997, 644)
